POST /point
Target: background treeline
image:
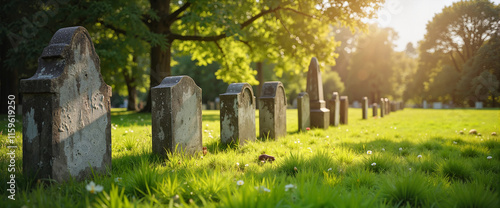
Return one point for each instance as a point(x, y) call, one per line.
point(220, 42)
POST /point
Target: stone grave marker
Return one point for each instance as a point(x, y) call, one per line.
point(365, 108)
point(387, 106)
point(303, 111)
point(334, 106)
point(375, 109)
point(344, 108)
point(66, 111)
point(176, 116)
point(237, 114)
point(382, 107)
point(272, 110)
point(320, 115)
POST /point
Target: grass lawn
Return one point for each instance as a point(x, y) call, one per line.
point(414, 158)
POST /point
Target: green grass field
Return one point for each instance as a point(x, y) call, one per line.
point(418, 159)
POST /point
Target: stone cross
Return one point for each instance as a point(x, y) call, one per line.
point(66, 111)
point(334, 106)
point(320, 116)
point(304, 111)
point(272, 110)
point(375, 109)
point(382, 107)
point(237, 114)
point(176, 116)
point(344, 107)
point(364, 107)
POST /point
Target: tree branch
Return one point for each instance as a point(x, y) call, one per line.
point(173, 17)
point(175, 36)
point(299, 12)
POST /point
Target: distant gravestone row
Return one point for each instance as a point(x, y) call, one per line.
point(67, 125)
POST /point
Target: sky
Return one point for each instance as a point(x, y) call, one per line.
point(409, 18)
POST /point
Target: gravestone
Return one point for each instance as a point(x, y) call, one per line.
point(437, 105)
point(237, 114)
point(334, 106)
point(304, 111)
point(66, 111)
point(365, 108)
point(394, 106)
point(387, 106)
point(382, 107)
point(320, 115)
point(176, 116)
point(479, 105)
point(356, 104)
point(272, 110)
point(424, 104)
point(217, 103)
point(375, 109)
point(211, 105)
point(344, 108)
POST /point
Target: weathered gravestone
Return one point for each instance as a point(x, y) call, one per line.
point(66, 111)
point(344, 107)
point(365, 108)
point(176, 116)
point(237, 114)
point(334, 106)
point(304, 111)
point(387, 106)
point(320, 116)
point(394, 106)
point(272, 110)
point(382, 107)
point(375, 109)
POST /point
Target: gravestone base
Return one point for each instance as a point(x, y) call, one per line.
point(320, 118)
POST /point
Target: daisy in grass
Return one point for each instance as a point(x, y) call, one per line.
point(93, 188)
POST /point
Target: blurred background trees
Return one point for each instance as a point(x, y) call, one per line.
point(219, 42)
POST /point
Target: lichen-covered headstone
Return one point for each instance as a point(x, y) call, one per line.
point(382, 107)
point(375, 109)
point(365, 108)
point(344, 108)
point(272, 110)
point(237, 114)
point(176, 116)
point(320, 115)
point(334, 106)
point(304, 111)
point(66, 111)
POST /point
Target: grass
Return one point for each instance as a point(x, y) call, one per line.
point(316, 168)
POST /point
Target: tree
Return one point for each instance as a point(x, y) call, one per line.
point(371, 66)
point(461, 29)
point(481, 74)
point(223, 31)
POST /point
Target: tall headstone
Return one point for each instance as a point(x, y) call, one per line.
point(304, 111)
point(334, 106)
point(66, 111)
point(375, 109)
point(176, 116)
point(424, 104)
point(237, 114)
point(365, 108)
point(272, 110)
point(344, 108)
point(320, 115)
point(382, 107)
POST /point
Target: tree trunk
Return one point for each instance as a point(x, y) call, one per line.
point(132, 96)
point(260, 78)
point(160, 59)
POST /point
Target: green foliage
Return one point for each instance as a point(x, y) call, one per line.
point(457, 47)
point(331, 83)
